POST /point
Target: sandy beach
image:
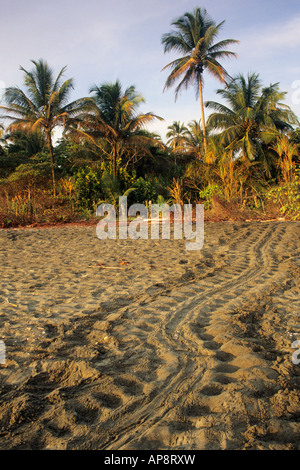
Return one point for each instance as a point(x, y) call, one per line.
point(141, 344)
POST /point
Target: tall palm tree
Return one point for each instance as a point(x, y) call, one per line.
point(252, 119)
point(194, 38)
point(2, 139)
point(44, 105)
point(114, 123)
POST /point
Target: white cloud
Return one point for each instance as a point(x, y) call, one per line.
point(271, 40)
point(101, 41)
point(282, 36)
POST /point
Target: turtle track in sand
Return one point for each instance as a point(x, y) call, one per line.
point(199, 360)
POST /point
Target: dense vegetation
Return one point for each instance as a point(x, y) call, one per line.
point(242, 162)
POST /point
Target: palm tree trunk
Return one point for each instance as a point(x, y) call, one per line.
point(174, 145)
point(49, 139)
point(202, 114)
point(114, 160)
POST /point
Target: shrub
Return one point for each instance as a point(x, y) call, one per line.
point(30, 175)
point(208, 193)
point(145, 190)
point(88, 187)
point(287, 196)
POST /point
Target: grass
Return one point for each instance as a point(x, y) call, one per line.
point(39, 206)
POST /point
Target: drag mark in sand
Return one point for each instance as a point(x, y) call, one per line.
point(175, 351)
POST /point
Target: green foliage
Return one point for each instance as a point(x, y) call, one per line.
point(244, 147)
point(194, 39)
point(115, 126)
point(70, 156)
point(29, 175)
point(8, 164)
point(88, 187)
point(295, 136)
point(24, 143)
point(149, 188)
point(252, 121)
point(287, 196)
point(43, 105)
point(97, 185)
point(112, 189)
point(208, 193)
point(161, 200)
point(145, 190)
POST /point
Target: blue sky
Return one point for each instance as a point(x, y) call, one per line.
point(101, 41)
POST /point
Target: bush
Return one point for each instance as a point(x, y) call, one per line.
point(208, 193)
point(36, 207)
point(88, 187)
point(287, 196)
point(30, 175)
point(145, 190)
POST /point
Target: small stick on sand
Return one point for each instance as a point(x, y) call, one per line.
point(105, 267)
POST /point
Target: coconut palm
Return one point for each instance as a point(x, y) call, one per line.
point(114, 123)
point(175, 136)
point(24, 143)
point(44, 105)
point(2, 140)
point(194, 38)
point(194, 141)
point(252, 119)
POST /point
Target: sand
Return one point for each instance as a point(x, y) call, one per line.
point(141, 344)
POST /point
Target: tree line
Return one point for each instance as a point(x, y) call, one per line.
point(246, 151)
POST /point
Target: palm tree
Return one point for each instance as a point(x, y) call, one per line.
point(194, 38)
point(114, 124)
point(2, 140)
point(175, 136)
point(253, 118)
point(44, 105)
point(24, 143)
point(194, 140)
